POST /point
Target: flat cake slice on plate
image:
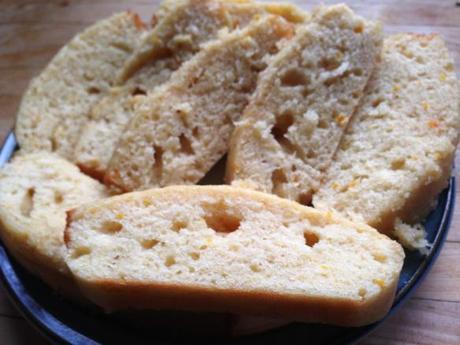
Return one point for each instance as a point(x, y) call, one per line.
point(226, 249)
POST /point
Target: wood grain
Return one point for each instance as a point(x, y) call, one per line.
point(420, 322)
point(31, 32)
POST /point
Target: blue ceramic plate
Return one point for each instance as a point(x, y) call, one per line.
point(64, 322)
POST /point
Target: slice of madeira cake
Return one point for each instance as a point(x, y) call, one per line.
point(58, 101)
point(293, 124)
point(183, 128)
point(226, 249)
point(396, 156)
point(175, 39)
point(36, 190)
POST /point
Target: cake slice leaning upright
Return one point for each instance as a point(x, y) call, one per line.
point(303, 102)
point(183, 128)
point(58, 101)
point(176, 38)
point(396, 156)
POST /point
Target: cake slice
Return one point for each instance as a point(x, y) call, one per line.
point(293, 124)
point(225, 249)
point(182, 129)
point(57, 102)
point(36, 190)
point(174, 40)
point(196, 16)
point(396, 157)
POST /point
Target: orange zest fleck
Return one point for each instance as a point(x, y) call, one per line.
point(341, 120)
point(140, 25)
point(433, 123)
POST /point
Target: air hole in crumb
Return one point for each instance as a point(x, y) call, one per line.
point(93, 90)
point(282, 124)
point(158, 164)
point(357, 71)
point(195, 132)
point(359, 28)
point(398, 164)
point(310, 239)
point(281, 127)
point(80, 251)
point(138, 91)
point(376, 102)
point(54, 144)
point(195, 256)
point(219, 218)
point(111, 227)
point(323, 124)
point(294, 77)
point(27, 203)
point(58, 198)
point(311, 154)
point(293, 168)
point(185, 145)
point(356, 95)
point(278, 176)
point(331, 81)
point(224, 223)
point(278, 179)
point(170, 260)
point(306, 92)
point(255, 268)
point(149, 243)
point(178, 225)
point(329, 64)
point(305, 199)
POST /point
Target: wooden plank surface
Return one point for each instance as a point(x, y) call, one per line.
point(31, 32)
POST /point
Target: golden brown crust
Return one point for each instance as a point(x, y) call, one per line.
point(110, 180)
point(112, 295)
point(92, 171)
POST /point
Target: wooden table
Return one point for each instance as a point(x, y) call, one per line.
point(31, 32)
